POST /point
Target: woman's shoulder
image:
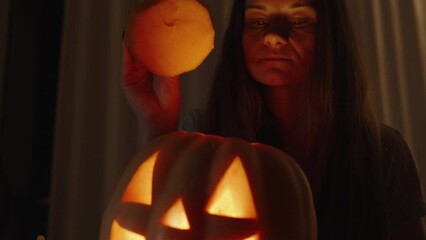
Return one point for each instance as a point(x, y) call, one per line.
point(393, 142)
point(403, 187)
point(396, 153)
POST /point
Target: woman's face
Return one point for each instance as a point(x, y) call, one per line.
point(279, 40)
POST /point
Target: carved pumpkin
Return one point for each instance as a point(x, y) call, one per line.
point(170, 37)
point(194, 186)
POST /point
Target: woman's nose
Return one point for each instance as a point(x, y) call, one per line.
point(274, 40)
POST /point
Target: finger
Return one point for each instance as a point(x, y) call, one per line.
point(130, 64)
point(132, 70)
point(127, 63)
point(167, 90)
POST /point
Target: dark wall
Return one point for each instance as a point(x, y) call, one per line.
point(27, 115)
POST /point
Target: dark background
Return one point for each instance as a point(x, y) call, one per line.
point(27, 115)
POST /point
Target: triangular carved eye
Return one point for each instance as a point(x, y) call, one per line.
point(139, 189)
point(120, 233)
point(232, 196)
point(176, 216)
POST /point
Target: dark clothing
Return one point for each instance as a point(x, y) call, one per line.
point(345, 213)
point(371, 207)
point(403, 190)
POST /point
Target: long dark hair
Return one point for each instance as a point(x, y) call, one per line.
point(235, 105)
point(343, 137)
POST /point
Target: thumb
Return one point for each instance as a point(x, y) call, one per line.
point(167, 90)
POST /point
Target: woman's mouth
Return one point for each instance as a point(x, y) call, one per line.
point(275, 59)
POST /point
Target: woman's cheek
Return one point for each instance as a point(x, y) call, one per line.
point(250, 44)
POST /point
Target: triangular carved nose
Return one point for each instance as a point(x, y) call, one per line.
point(176, 216)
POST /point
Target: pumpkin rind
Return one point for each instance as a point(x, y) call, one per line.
point(170, 37)
point(190, 165)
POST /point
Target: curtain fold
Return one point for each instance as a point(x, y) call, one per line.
point(95, 134)
point(392, 37)
point(96, 130)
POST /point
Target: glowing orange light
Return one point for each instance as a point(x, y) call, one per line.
point(254, 237)
point(139, 189)
point(119, 233)
point(176, 217)
point(232, 196)
point(171, 37)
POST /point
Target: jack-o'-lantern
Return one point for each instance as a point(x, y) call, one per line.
point(170, 37)
point(194, 186)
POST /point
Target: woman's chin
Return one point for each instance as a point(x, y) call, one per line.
point(277, 78)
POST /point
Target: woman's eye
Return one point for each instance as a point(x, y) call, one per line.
point(299, 22)
point(257, 23)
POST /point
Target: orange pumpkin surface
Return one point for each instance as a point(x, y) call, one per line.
point(194, 186)
point(170, 37)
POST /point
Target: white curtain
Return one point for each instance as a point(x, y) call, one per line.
point(392, 37)
point(96, 131)
point(94, 128)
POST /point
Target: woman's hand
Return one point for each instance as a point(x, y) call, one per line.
point(155, 99)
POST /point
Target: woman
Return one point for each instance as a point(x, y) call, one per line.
point(291, 77)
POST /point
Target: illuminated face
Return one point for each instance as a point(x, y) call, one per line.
point(201, 187)
point(279, 40)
